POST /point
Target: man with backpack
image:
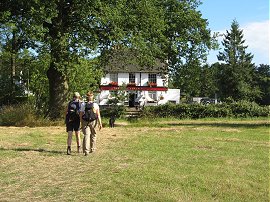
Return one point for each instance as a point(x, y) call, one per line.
point(90, 117)
point(73, 121)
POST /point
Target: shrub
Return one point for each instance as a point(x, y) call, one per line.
point(117, 111)
point(22, 115)
point(183, 111)
point(248, 109)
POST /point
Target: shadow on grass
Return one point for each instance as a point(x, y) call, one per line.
point(230, 125)
point(31, 149)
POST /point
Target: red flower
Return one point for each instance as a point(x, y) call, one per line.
point(152, 84)
point(131, 84)
point(113, 83)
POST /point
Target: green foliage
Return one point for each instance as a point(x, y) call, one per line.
point(236, 74)
point(196, 79)
point(71, 30)
point(22, 114)
point(208, 81)
point(189, 40)
point(187, 78)
point(262, 77)
point(84, 76)
point(13, 82)
point(194, 111)
point(114, 110)
point(39, 84)
point(249, 109)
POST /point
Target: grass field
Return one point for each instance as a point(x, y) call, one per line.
point(161, 160)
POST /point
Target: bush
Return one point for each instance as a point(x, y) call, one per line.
point(248, 109)
point(22, 115)
point(117, 111)
point(184, 111)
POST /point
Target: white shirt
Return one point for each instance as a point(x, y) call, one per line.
point(95, 105)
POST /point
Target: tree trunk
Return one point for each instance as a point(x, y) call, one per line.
point(13, 63)
point(58, 90)
point(13, 73)
point(58, 85)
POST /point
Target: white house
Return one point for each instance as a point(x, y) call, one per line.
point(143, 85)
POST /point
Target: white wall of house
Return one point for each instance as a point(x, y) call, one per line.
point(144, 79)
point(105, 80)
point(141, 79)
point(172, 95)
point(122, 78)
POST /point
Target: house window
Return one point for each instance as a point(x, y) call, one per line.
point(153, 94)
point(152, 78)
point(113, 77)
point(131, 77)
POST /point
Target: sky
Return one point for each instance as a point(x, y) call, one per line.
point(252, 17)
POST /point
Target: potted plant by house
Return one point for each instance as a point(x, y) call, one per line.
point(152, 84)
point(131, 84)
point(113, 83)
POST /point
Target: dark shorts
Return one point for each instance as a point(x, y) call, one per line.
point(73, 126)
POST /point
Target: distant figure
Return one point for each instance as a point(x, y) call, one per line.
point(111, 121)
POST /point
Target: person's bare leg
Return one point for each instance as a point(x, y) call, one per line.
point(78, 139)
point(69, 141)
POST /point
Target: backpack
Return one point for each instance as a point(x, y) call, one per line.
point(89, 114)
point(73, 111)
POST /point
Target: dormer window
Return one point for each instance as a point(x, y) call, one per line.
point(131, 77)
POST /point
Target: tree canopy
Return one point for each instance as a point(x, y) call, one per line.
point(236, 73)
point(71, 30)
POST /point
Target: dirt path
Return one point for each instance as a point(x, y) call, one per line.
point(104, 138)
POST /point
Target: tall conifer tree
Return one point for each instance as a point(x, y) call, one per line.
point(236, 71)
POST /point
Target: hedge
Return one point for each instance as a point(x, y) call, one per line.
point(241, 109)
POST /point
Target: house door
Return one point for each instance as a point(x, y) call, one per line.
point(131, 102)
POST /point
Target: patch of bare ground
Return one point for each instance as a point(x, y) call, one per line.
point(23, 130)
point(104, 137)
point(234, 130)
point(39, 170)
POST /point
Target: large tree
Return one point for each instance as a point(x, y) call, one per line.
point(188, 43)
point(15, 35)
point(262, 76)
point(187, 78)
point(73, 29)
point(236, 71)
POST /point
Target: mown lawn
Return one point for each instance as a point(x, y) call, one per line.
point(162, 160)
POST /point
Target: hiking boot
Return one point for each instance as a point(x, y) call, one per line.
point(92, 150)
point(68, 150)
